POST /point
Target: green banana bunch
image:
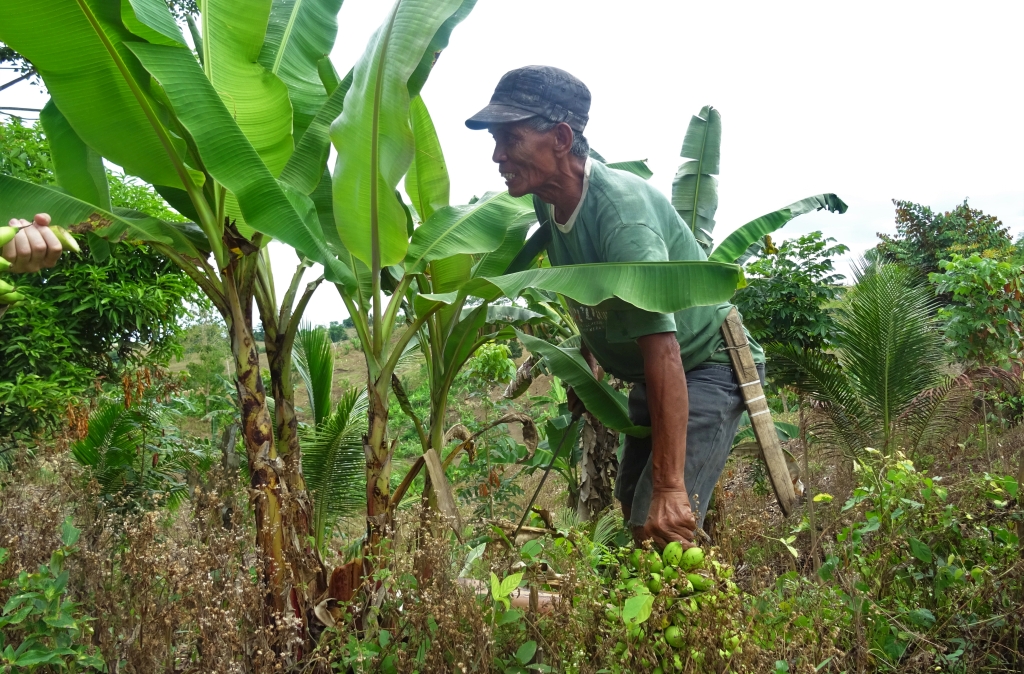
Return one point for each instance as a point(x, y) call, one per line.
point(8, 295)
point(66, 240)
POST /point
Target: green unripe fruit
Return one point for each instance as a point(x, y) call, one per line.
point(654, 562)
point(692, 559)
point(4, 264)
point(700, 583)
point(672, 554)
point(686, 588)
point(669, 574)
point(6, 234)
point(5, 287)
point(654, 584)
point(67, 241)
point(635, 559)
point(612, 615)
point(633, 583)
point(674, 636)
point(11, 298)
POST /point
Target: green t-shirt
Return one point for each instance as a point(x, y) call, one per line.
point(622, 218)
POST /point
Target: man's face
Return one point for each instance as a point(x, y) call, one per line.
point(525, 158)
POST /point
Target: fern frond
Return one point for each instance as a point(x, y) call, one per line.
point(334, 463)
point(313, 360)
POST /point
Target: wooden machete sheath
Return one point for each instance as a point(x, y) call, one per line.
point(757, 410)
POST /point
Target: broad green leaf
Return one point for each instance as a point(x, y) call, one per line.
point(664, 287)
point(922, 617)
point(299, 34)
point(476, 228)
point(920, 550)
point(495, 587)
point(694, 189)
point(504, 313)
point(497, 261)
point(601, 400)
point(436, 46)
point(737, 243)
point(18, 197)
point(637, 609)
point(508, 585)
point(78, 47)
point(309, 160)
point(427, 182)
point(78, 167)
point(448, 274)
point(69, 532)
point(637, 167)
point(228, 155)
point(424, 302)
point(152, 21)
point(233, 32)
point(533, 247)
point(373, 136)
point(526, 652)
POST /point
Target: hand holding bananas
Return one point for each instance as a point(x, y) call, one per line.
point(27, 247)
point(30, 246)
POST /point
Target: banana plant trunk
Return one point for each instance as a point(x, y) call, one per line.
point(307, 570)
point(598, 467)
point(379, 515)
point(281, 528)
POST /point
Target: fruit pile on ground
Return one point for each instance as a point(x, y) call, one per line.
point(670, 609)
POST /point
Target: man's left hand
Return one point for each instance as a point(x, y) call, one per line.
point(34, 246)
point(669, 519)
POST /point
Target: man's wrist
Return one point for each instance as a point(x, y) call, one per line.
point(669, 488)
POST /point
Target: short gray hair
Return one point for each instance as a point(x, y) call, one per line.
point(580, 146)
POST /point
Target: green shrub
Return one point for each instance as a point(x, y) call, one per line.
point(983, 322)
point(39, 627)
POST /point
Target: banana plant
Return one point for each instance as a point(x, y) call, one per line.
point(234, 136)
point(386, 262)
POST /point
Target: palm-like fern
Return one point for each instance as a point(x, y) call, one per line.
point(334, 464)
point(313, 360)
point(133, 461)
point(883, 384)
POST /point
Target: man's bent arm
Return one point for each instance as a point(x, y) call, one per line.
point(670, 517)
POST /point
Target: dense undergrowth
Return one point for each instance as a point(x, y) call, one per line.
point(917, 570)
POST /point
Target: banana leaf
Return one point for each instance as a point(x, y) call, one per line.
point(151, 20)
point(79, 168)
point(427, 182)
point(309, 160)
point(476, 228)
point(79, 49)
point(18, 197)
point(695, 189)
point(373, 136)
point(601, 400)
point(268, 206)
point(739, 241)
point(298, 35)
point(233, 33)
point(663, 287)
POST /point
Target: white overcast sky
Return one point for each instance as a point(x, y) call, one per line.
point(874, 101)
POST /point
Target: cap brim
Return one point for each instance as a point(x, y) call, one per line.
point(497, 114)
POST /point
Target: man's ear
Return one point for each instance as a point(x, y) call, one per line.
point(563, 139)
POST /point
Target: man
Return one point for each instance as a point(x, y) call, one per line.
point(33, 247)
point(684, 388)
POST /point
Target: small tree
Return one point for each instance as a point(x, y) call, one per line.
point(983, 322)
point(787, 292)
point(924, 237)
